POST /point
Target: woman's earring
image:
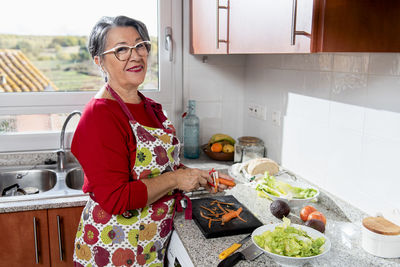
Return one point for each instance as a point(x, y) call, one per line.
point(104, 74)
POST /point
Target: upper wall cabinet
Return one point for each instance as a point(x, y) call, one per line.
point(294, 26)
point(356, 26)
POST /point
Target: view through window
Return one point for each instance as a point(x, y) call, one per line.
point(43, 49)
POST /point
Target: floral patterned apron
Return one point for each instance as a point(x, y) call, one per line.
point(136, 237)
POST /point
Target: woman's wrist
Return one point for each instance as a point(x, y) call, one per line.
point(173, 178)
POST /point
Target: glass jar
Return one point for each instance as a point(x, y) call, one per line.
point(247, 148)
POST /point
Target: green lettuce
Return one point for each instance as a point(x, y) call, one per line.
point(269, 184)
point(289, 241)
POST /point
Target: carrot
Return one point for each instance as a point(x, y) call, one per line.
point(225, 203)
point(213, 212)
point(218, 213)
point(226, 182)
point(204, 216)
point(219, 206)
point(230, 215)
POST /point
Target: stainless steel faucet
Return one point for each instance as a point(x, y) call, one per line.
point(61, 151)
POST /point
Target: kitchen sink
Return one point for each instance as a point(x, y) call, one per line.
point(25, 182)
point(74, 179)
point(19, 183)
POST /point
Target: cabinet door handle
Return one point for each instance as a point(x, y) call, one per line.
point(227, 23)
point(59, 238)
point(294, 22)
point(36, 241)
point(294, 18)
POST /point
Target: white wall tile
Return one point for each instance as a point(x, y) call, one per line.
point(380, 177)
point(255, 62)
point(321, 62)
point(344, 159)
point(349, 88)
point(317, 84)
point(346, 116)
point(304, 147)
point(384, 92)
point(205, 85)
point(384, 63)
point(351, 62)
point(210, 115)
point(382, 123)
point(311, 108)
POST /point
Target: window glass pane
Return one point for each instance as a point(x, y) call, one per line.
point(43, 45)
point(36, 123)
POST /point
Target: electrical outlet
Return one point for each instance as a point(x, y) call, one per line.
point(257, 111)
point(276, 117)
point(250, 109)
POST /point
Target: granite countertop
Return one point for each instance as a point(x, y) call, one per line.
point(343, 225)
point(343, 228)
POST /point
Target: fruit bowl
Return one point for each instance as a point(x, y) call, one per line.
point(217, 155)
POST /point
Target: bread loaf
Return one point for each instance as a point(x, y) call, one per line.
point(261, 165)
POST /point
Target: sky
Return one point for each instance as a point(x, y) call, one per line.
point(70, 17)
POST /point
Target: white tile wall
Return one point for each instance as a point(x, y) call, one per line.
point(341, 124)
point(216, 84)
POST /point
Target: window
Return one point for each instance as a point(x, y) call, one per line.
point(46, 71)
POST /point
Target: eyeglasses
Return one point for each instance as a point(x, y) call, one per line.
point(124, 52)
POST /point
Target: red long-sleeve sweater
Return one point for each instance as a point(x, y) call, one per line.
point(105, 147)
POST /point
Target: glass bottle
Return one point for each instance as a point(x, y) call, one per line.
point(191, 133)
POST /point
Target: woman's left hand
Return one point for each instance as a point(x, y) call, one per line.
point(221, 187)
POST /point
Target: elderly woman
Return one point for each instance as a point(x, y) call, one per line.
point(130, 156)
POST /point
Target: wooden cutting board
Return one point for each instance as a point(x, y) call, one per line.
point(381, 226)
point(233, 227)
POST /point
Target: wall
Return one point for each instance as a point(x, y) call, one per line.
point(216, 82)
point(340, 125)
point(217, 87)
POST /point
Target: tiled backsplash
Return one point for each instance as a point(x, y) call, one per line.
point(340, 125)
point(216, 83)
point(341, 120)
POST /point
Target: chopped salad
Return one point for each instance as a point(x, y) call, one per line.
point(270, 185)
point(289, 241)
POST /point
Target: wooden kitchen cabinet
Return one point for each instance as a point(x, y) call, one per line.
point(246, 27)
point(17, 241)
point(356, 26)
point(268, 26)
point(209, 24)
point(294, 26)
point(63, 224)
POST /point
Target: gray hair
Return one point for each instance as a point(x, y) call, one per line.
point(98, 36)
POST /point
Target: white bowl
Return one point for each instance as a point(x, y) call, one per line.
point(294, 202)
point(292, 261)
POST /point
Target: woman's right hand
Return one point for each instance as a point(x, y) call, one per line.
point(191, 179)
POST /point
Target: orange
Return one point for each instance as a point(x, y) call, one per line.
point(216, 147)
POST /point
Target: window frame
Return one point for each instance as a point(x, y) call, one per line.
point(168, 94)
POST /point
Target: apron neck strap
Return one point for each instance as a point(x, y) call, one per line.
point(121, 103)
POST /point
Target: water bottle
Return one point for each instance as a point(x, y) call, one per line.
point(191, 133)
